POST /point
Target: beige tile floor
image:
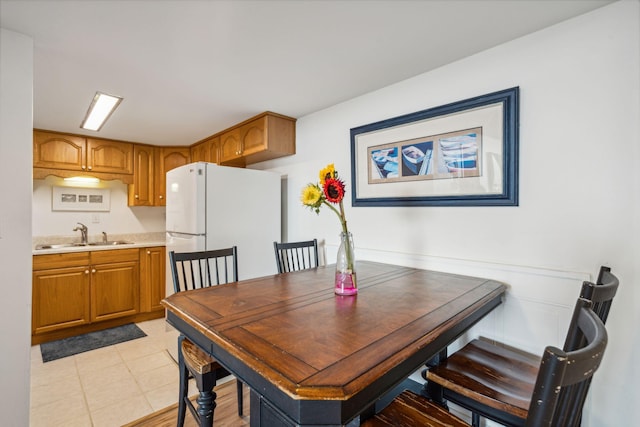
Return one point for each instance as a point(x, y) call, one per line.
point(107, 387)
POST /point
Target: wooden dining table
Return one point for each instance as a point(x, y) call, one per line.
point(311, 357)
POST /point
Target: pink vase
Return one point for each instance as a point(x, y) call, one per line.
point(346, 283)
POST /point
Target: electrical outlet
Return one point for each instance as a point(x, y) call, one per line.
point(95, 218)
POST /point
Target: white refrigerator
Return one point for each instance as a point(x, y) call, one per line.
point(213, 207)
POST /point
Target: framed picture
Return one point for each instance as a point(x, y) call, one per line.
point(81, 199)
point(460, 154)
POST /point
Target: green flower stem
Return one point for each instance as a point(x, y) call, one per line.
point(343, 222)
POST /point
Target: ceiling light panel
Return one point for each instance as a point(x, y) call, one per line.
point(101, 108)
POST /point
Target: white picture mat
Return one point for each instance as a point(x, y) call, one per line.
point(489, 182)
point(81, 199)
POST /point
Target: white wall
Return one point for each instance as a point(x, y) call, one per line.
point(120, 219)
point(16, 94)
point(579, 187)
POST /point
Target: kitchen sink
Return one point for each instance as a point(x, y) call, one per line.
point(59, 245)
point(75, 245)
point(111, 243)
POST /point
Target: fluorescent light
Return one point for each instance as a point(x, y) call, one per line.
point(82, 179)
point(100, 110)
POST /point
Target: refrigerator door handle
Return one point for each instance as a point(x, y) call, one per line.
point(184, 235)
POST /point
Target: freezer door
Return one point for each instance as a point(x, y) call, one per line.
point(180, 242)
point(186, 204)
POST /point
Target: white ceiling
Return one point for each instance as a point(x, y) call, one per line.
point(188, 69)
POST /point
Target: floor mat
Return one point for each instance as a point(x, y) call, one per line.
point(79, 344)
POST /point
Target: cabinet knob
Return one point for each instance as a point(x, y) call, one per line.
point(86, 272)
point(90, 167)
point(83, 167)
point(161, 197)
point(148, 252)
point(136, 196)
point(93, 270)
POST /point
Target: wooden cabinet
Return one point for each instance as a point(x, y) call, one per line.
point(104, 155)
point(59, 151)
point(152, 278)
point(149, 178)
point(263, 137)
point(205, 150)
point(167, 158)
point(231, 148)
point(115, 280)
point(79, 292)
point(71, 155)
point(200, 152)
point(60, 297)
point(142, 191)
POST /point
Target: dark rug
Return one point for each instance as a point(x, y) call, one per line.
point(79, 344)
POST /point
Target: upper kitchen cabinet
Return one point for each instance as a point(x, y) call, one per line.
point(206, 150)
point(167, 158)
point(264, 137)
point(151, 164)
point(71, 155)
point(104, 155)
point(142, 191)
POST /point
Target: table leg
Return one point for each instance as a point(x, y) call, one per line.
point(432, 390)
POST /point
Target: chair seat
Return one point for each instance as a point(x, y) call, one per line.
point(494, 376)
point(411, 410)
point(198, 360)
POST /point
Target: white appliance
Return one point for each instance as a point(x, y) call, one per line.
point(213, 207)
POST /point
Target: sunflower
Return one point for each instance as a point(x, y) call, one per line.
point(312, 196)
point(333, 190)
point(329, 191)
point(327, 172)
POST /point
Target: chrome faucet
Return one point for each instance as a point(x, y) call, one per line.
point(83, 230)
point(104, 237)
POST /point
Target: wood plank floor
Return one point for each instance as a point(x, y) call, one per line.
point(226, 412)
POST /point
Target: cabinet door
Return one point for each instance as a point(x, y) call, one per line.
point(200, 152)
point(230, 146)
point(254, 136)
point(114, 290)
point(59, 151)
point(214, 149)
point(142, 191)
point(109, 156)
point(152, 278)
point(167, 158)
point(60, 299)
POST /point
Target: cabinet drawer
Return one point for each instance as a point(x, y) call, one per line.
point(70, 259)
point(116, 255)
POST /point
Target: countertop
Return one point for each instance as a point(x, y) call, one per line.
point(140, 240)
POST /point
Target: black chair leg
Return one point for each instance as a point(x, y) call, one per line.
point(184, 384)
point(475, 419)
point(206, 401)
point(239, 392)
point(206, 404)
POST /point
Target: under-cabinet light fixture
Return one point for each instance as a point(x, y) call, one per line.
point(101, 108)
point(82, 180)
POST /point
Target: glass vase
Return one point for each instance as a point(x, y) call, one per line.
point(346, 283)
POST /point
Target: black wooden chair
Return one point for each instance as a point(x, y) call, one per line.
point(496, 382)
point(194, 270)
point(296, 256)
point(566, 371)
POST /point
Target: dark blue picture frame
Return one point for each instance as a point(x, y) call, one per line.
point(509, 98)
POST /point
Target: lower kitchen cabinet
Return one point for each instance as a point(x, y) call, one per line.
point(115, 290)
point(152, 278)
point(60, 299)
point(80, 292)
